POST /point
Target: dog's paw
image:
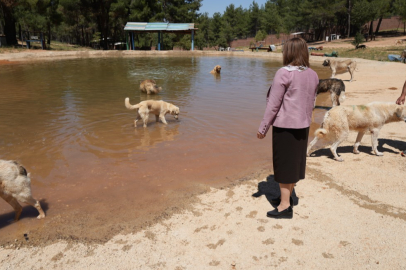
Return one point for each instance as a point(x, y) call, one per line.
point(40, 216)
point(339, 159)
point(379, 153)
point(356, 152)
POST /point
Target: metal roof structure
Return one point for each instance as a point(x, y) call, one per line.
point(159, 26)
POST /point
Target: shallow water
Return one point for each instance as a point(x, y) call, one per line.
point(66, 122)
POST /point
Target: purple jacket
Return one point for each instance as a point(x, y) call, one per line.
point(290, 100)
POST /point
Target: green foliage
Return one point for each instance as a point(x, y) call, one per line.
point(76, 21)
point(358, 39)
point(400, 8)
point(260, 36)
point(96, 37)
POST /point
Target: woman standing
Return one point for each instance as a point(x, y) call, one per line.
point(290, 103)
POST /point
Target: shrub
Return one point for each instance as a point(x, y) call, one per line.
point(260, 36)
point(358, 39)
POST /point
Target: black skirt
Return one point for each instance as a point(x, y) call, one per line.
point(289, 154)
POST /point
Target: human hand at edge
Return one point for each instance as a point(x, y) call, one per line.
point(260, 135)
point(400, 100)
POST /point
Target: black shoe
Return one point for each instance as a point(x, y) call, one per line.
point(287, 213)
point(275, 202)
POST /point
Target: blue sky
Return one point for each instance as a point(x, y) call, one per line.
point(213, 6)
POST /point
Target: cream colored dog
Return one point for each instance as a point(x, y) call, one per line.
point(349, 64)
point(15, 186)
point(149, 87)
point(216, 70)
point(340, 120)
point(158, 107)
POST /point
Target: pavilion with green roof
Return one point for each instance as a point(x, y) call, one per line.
point(157, 27)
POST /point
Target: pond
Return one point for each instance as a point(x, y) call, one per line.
point(94, 172)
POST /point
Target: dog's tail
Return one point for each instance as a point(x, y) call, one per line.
point(321, 132)
point(129, 106)
point(341, 98)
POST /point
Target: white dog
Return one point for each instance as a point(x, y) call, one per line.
point(158, 107)
point(15, 186)
point(361, 118)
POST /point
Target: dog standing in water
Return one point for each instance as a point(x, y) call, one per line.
point(216, 70)
point(15, 186)
point(158, 107)
point(149, 87)
point(336, 88)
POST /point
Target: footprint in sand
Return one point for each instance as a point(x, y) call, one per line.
point(261, 228)
point(297, 242)
point(252, 214)
point(327, 255)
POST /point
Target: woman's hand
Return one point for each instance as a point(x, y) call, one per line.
point(400, 100)
point(260, 135)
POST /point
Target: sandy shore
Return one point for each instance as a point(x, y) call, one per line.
point(351, 215)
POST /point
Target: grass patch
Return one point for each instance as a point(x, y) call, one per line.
point(55, 46)
point(370, 53)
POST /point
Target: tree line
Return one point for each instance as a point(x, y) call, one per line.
point(84, 22)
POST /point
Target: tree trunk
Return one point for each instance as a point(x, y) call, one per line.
point(9, 24)
point(20, 34)
point(349, 18)
point(49, 34)
point(371, 28)
point(83, 36)
point(378, 26)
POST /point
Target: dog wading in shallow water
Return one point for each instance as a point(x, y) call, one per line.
point(371, 117)
point(216, 70)
point(149, 87)
point(336, 88)
point(158, 107)
point(15, 186)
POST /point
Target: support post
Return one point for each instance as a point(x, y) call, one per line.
point(132, 36)
point(42, 41)
point(126, 42)
point(193, 40)
point(159, 40)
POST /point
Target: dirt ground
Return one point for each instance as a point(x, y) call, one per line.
point(378, 42)
point(351, 214)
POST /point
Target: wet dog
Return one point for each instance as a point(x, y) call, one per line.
point(349, 64)
point(158, 107)
point(149, 87)
point(15, 186)
point(216, 70)
point(336, 88)
point(340, 120)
